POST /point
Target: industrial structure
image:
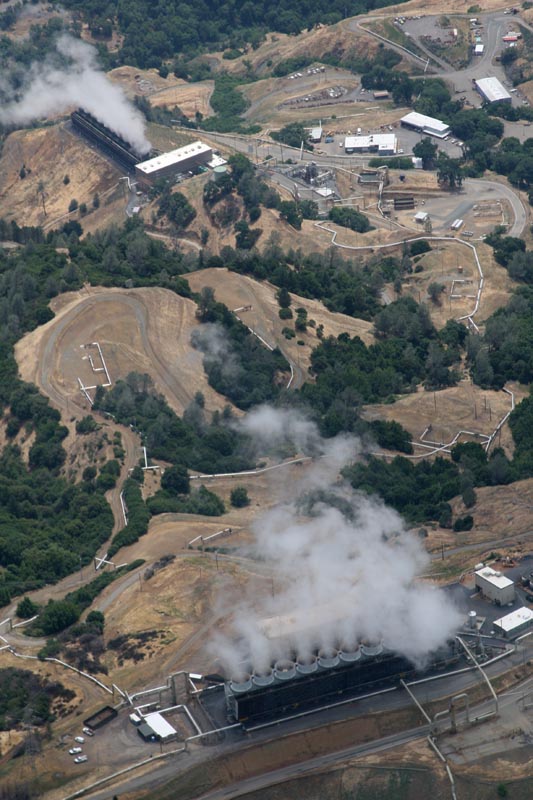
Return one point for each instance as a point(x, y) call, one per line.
point(492, 91)
point(514, 623)
point(423, 124)
point(316, 135)
point(111, 143)
point(168, 165)
point(494, 586)
point(384, 144)
point(328, 676)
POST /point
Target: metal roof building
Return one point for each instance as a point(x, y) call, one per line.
point(161, 728)
point(315, 135)
point(424, 124)
point(492, 90)
point(515, 622)
point(495, 586)
point(168, 165)
point(383, 143)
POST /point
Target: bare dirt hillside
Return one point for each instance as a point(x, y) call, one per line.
point(464, 407)
point(42, 197)
point(171, 91)
point(236, 290)
point(143, 330)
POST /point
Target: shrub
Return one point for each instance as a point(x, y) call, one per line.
point(239, 497)
point(26, 609)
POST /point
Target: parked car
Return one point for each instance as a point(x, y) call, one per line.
point(88, 732)
point(74, 751)
point(79, 739)
point(80, 759)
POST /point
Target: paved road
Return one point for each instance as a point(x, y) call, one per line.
point(392, 700)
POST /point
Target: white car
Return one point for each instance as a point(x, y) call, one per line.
point(74, 751)
point(88, 732)
point(79, 739)
point(80, 759)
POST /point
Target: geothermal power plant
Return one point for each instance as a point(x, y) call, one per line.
point(110, 142)
point(321, 676)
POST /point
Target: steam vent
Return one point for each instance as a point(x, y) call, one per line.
point(326, 676)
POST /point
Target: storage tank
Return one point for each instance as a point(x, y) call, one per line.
point(328, 658)
point(349, 654)
point(264, 678)
point(284, 670)
point(472, 619)
point(241, 684)
point(306, 665)
point(372, 648)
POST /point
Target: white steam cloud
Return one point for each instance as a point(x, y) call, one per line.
point(51, 89)
point(344, 569)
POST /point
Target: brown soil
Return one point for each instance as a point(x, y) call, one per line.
point(143, 330)
point(461, 407)
point(236, 290)
point(48, 154)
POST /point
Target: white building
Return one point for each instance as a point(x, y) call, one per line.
point(514, 623)
point(161, 728)
point(495, 586)
point(384, 144)
point(315, 135)
point(423, 124)
point(478, 49)
point(492, 91)
point(168, 165)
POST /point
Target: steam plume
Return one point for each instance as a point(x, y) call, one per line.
point(51, 89)
point(344, 569)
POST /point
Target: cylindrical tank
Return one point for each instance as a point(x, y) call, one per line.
point(264, 678)
point(284, 670)
point(372, 648)
point(241, 684)
point(306, 665)
point(350, 653)
point(328, 658)
point(472, 619)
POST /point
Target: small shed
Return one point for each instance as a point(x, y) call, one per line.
point(145, 732)
point(421, 217)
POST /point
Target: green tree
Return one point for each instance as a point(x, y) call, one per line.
point(26, 608)
point(176, 480)
point(427, 151)
point(449, 171)
point(349, 218)
point(290, 212)
point(239, 497)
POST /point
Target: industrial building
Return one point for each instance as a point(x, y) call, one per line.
point(155, 728)
point(316, 135)
point(492, 91)
point(384, 144)
point(108, 141)
point(423, 124)
point(175, 162)
point(514, 623)
point(494, 586)
point(316, 680)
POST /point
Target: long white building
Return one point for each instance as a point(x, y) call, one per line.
point(423, 124)
point(492, 91)
point(168, 165)
point(384, 144)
